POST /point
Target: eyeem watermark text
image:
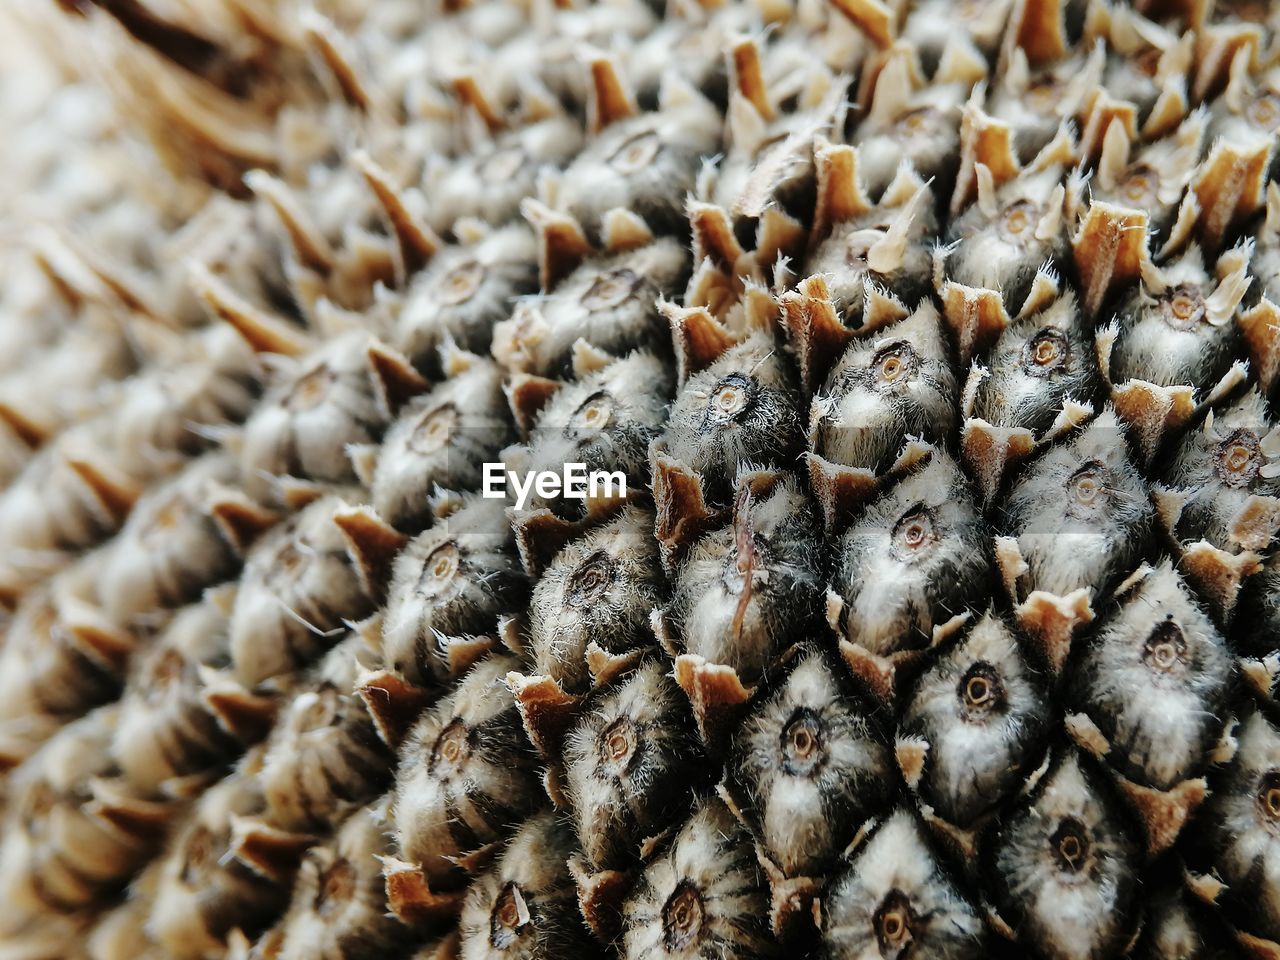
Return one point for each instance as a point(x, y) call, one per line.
point(574, 482)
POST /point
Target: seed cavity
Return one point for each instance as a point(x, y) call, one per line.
point(509, 917)
point(1045, 352)
point(803, 743)
point(1139, 186)
point(591, 579)
point(893, 922)
point(611, 289)
point(462, 282)
point(593, 414)
point(682, 917)
point(1070, 846)
point(1183, 307)
point(452, 750)
point(618, 742)
point(981, 690)
point(1237, 459)
point(636, 153)
point(1018, 221)
point(1269, 798)
point(432, 433)
point(1166, 647)
point(311, 389)
point(914, 535)
point(1087, 490)
point(503, 165)
point(894, 365)
point(439, 570)
point(731, 398)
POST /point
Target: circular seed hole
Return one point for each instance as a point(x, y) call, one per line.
point(682, 917)
point(1070, 844)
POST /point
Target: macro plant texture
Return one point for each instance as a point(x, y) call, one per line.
point(937, 343)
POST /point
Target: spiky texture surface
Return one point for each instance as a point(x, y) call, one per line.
point(939, 343)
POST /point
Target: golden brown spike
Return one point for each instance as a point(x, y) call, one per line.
point(262, 331)
point(791, 899)
point(748, 77)
point(1039, 29)
point(310, 246)
point(1256, 523)
point(984, 141)
point(1260, 325)
point(1219, 48)
point(1217, 574)
point(840, 196)
point(699, 338)
point(101, 640)
point(114, 491)
point(990, 451)
point(416, 241)
point(477, 861)
point(713, 235)
point(462, 653)
point(1257, 947)
point(562, 244)
point(527, 394)
point(976, 316)
point(883, 677)
point(540, 535)
point(589, 359)
point(244, 715)
point(717, 695)
point(1109, 249)
point(1150, 411)
point(394, 377)
point(1087, 735)
point(1164, 813)
point(815, 327)
point(611, 97)
point(412, 899)
point(778, 235)
point(600, 896)
point(118, 280)
point(839, 490)
point(911, 754)
point(267, 850)
point(325, 39)
point(239, 519)
point(144, 820)
point(875, 18)
point(467, 89)
point(1229, 187)
point(606, 667)
point(683, 514)
point(394, 704)
point(22, 426)
point(624, 230)
point(1105, 113)
point(1052, 621)
point(372, 542)
point(547, 711)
